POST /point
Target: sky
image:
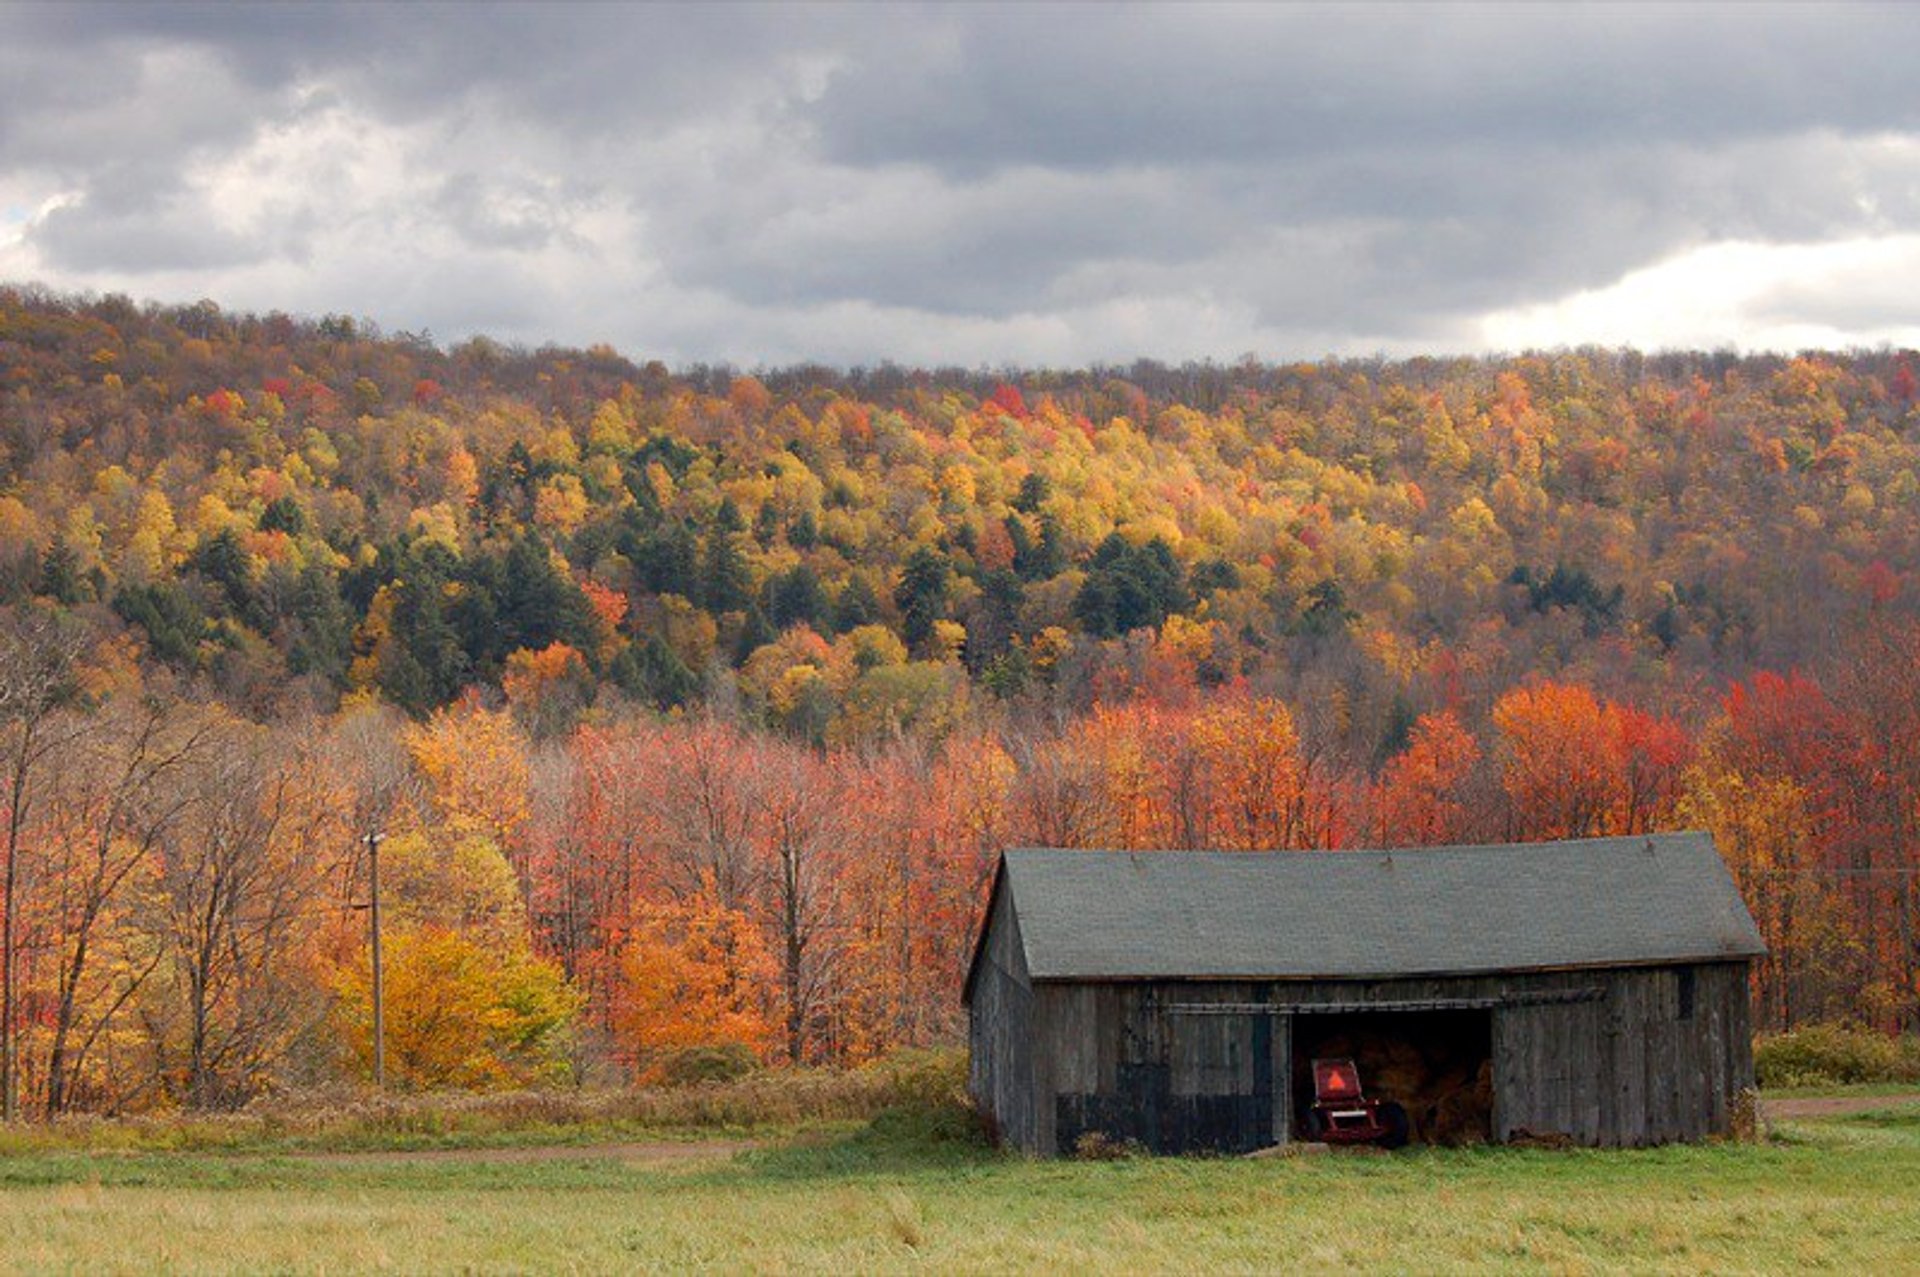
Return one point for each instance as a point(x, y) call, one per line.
point(983, 185)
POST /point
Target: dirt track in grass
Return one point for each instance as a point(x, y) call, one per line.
point(1834, 1105)
point(661, 1153)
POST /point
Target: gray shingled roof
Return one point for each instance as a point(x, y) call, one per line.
point(1171, 914)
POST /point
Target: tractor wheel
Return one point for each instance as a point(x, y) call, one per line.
point(1316, 1129)
point(1394, 1117)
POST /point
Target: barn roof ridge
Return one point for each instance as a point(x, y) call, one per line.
point(1377, 913)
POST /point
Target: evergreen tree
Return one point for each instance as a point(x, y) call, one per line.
point(1130, 587)
point(755, 633)
point(921, 595)
point(173, 622)
point(222, 560)
point(995, 619)
point(668, 560)
point(795, 597)
point(654, 673)
point(1034, 491)
point(424, 664)
point(538, 605)
point(283, 514)
point(804, 534)
point(724, 585)
point(321, 640)
point(60, 576)
point(856, 605)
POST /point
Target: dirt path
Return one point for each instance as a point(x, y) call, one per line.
point(1835, 1105)
point(649, 1154)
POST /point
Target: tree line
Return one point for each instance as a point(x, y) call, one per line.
point(643, 897)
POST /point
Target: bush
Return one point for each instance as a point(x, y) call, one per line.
point(721, 1062)
point(929, 1098)
point(1834, 1055)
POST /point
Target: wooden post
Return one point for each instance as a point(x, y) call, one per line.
point(7, 1053)
point(379, 991)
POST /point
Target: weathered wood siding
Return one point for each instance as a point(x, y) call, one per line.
point(1001, 1037)
point(1610, 1057)
point(1652, 1063)
point(1120, 1060)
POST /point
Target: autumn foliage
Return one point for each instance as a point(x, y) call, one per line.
point(694, 707)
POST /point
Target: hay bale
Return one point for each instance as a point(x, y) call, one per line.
point(1396, 1070)
point(1464, 1115)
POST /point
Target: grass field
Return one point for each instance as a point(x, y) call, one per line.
point(1836, 1194)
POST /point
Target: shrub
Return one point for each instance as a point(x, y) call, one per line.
point(929, 1102)
point(1834, 1055)
point(720, 1062)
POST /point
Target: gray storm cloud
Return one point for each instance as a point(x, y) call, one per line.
point(992, 184)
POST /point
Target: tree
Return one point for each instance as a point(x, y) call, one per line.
point(1765, 828)
point(693, 976)
point(116, 796)
point(1252, 751)
point(1422, 796)
point(921, 595)
point(700, 810)
point(548, 689)
point(1559, 780)
point(1130, 587)
point(802, 820)
point(795, 598)
point(239, 875)
point(38, 651)
point(474, 764)
point(462, 1013)
point(724, 583)
point(855, 606)
point(654, 673)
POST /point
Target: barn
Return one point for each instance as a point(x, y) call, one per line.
point(1594, 991)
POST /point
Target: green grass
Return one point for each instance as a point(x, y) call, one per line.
point(1836, 1194)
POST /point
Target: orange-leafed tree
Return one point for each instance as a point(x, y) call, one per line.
point(1252, 753)
point(695, 974)
point(547, 689)
point(700, 811)
point(1060, 796)
point(1423, 795)
point(1555, 764)
point(802, 835)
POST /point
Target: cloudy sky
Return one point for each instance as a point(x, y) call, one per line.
point(983, 184)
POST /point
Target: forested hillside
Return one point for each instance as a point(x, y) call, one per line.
point(694, 704)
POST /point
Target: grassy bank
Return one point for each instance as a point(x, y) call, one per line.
point(903, 1194)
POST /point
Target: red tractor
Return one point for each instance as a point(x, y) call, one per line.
point(1341, 1114)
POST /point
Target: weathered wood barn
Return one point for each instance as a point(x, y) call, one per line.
point(1592, 990)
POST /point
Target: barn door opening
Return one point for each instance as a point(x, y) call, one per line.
point(1438, 1065)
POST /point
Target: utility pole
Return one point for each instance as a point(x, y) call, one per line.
point(8, 1056)
point(379, 991)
